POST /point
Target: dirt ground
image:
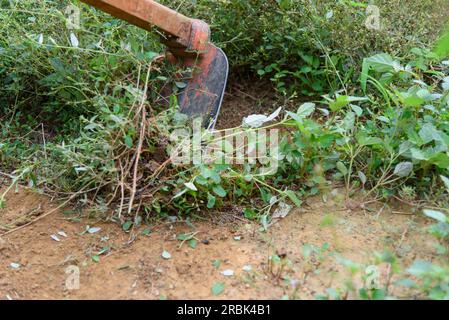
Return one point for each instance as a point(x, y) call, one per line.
point(33, 265)
point(255, 97)
point(231, 259)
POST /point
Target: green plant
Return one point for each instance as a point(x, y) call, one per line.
point(312, 47)
point(85, 117)
point(434, 277)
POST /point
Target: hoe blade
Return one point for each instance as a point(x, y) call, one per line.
point(205, 89)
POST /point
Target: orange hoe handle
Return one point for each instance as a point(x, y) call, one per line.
point(187, 39)
point(182, 32)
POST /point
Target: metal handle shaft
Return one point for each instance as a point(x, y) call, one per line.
point(146, 14)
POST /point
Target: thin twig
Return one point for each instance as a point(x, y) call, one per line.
point(141, 140)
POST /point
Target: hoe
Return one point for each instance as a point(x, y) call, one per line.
point(188, 40)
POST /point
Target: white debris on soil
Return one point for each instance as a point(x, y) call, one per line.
point(228, 273)
point(247, 268)
point(15, 265)
point(62, 234)
point(166, 255)
point(258, 120)
point(282, 211)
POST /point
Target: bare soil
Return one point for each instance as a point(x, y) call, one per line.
point(135, 269)
point(240, 101)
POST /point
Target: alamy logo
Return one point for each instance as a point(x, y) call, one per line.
point(373, 18)
point(254, 146)
point(372, 277)
point(72, 282)
point(73, 17)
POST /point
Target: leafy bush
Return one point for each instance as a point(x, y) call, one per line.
point(74, 97)
point(303, 45)
point(85, 105)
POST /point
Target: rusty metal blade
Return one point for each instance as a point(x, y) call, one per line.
point(203, 95)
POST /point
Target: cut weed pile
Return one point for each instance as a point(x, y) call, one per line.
point(89, 115)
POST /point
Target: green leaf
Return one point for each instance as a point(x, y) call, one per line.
point(129, 142)
point(180, 193)
point(406, 283)
point(127, 225)
point(294, 116)
point(210, 174)
point(184, 237)
point(219, 191)
point(307, 250)
point(342, 101)
point(381, 63)
point(440, 159)
point(446, 182)
point(96, 258)
point(420, 268)
point(378, 294)
point(437, 215)
point(104, 250)
point(349, 121)
point(412, 101)
point(181, 85)
point(151, 55)
point(368, 141)
point(441, 48)
point(193, 243)
point(211, 200)
point(418, 154)
point(358, 111)
point(352, 266)
point(216, 264)
point(249, 213)
point(306, 110)
point(218, 288)
point(403, 169)
point(342, 168)
point(429, 133)
point(362, 177)
point(292, 196)
point(339, 103)
point(365, 74)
